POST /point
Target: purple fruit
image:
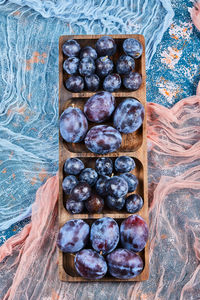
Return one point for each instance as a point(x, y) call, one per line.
point(131, 180)
point(71, 48)
point(88, 52)
point(94, 204)
point(99, 107)
point(73, 125)
point(106, 46)
point(112, 82)
point(103, 139)
point(74, 83)
point(132, 81)
point(117, 187)
point(128, 116)
point(115, 203)
point(124, 164)
point(132, 47)
point(104, 66)
point(124, 264)
point(90, 265)
point(69, 183)
point(70, 65)
point(101, 185)
point(125, 64)
point(104, 235)
point(92, 82)
point(73, 166)
point(73, 236)
point(81, 192)
point(134, 233)
point(74, 207)
point(89, 175)
point(104, 166)
point(86, 66)
point(134, 203)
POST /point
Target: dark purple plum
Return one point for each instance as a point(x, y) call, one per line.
point(104, 66)
point(125, 65)
point(115, 203)
point(86, 66)
point(74, 83)
point(99, 107)
point(124, 264)
point(124, 164)
point(94, 204)
point(112, 82)
point(90, 265)
point(73, 125)
point(132, 81)
point(73, 236)
point(128, 116)
point(81, 192)
point(101, 185)
point(132, 181)
point(71, 48)
point(134, 233)
point(92, 82)
point(73, 166)
point(117, 187)
point(89, 175)
point(106, 46)
point(73, 206)
point(70, 65)
point(103, 139)
point(104, 235)
point(132, 47)
point(69, 183)
point(104, 166)
point(134, 203)
point(88, 52)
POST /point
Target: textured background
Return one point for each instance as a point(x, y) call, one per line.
point(29, 86)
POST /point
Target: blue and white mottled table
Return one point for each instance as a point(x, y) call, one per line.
point(173, 74)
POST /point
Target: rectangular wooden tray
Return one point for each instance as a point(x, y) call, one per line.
point(134, 145)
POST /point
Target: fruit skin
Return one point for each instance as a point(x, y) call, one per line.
point(124, 264)
point(128, 116)
point(104, 235)
point(134, 233)
point(71, 48)
point(94, 204)
point(92, 82)
point(69, 183)
point(134, 203)
point(99, 107)
point(73, 206)
point(88, 52)
point(70, 65)
point(131, 180)
point(104, 166)
point(116, 187)
point(73, 166)
point(103, 139)
point(101, 185)
point(81, 192)
point(115, 203)
point(89, 175)
point(124, 164)
point(90, 265)
point(73, 125)
point(86, 66)
point(104, 66)
point(125, 65)
point(73, 236)
point(112, 82)
point(74, 83)
point(132, 47)
point(106, 46)
point(132, 81)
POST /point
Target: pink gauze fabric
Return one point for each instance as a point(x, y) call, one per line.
point(29, 260)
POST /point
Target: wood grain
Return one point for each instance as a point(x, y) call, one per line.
point(134, 145)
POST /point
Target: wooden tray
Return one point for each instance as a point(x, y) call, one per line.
point(133, 145)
